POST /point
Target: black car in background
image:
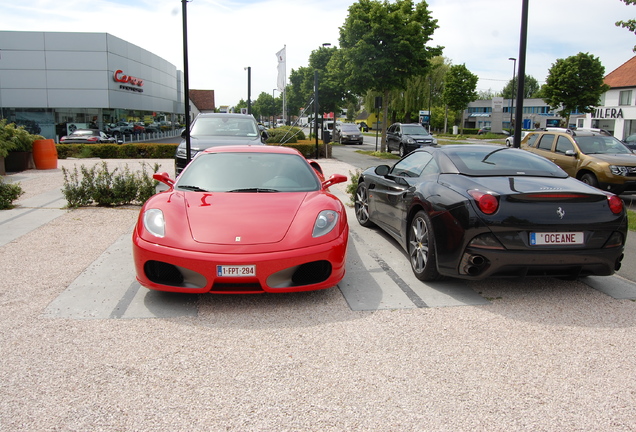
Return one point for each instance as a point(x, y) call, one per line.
point(347, 133)
point(218, 129)
point(475, 211)
point(406, 137)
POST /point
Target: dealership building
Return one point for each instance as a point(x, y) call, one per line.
point(52, 82)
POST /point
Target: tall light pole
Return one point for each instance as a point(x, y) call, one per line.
point(512, 95)
point(186, 84)
point(249, 88)
point(523, 41)
point(273, 108)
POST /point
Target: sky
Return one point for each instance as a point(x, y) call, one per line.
point(227, 36)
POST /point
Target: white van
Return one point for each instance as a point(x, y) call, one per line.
point(280, 122)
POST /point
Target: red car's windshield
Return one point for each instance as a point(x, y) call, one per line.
point(248, 172)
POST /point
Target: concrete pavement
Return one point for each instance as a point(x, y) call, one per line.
point(378, 272)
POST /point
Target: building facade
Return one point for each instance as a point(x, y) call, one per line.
point(51, 82)
point(496, 114)
point(617, 111)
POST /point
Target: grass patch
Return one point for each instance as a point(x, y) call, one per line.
point(631, 220)
point(382, 155)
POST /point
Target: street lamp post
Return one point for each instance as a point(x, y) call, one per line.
point(514, 68)
point(322, 129)
point(186, 84)
point(273, 108)
point(249, 88)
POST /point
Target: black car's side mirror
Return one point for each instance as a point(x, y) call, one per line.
point(382, 170)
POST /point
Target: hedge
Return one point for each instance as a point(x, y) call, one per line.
point(115, 151)
point(155, 151)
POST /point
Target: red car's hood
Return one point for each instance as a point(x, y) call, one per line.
point(241, 218)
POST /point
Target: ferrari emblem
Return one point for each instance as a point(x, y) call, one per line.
point(561, 212)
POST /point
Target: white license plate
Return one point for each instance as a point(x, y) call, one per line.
point(556, 238)
point(235, 271)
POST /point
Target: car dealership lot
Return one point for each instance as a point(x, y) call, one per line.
point(379, 352)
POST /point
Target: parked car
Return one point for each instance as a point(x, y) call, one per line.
point(139, 128)
point(593, 156)
point(347, 133)
point(474, 211)
point(406, 137)
point(218, 129)
point(511, 138)
point(243, 219)
point(488, 130)
point(153, 127)
point(120, 128)
point(88, 136)
point(630, 142)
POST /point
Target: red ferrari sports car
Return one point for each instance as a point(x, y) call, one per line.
point(243, 219)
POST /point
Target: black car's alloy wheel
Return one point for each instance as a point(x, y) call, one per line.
point(401, 150)
point(362, 205)
point(422, 248)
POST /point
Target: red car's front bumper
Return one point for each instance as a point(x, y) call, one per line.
point(177, 270)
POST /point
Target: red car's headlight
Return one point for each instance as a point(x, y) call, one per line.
point(325, 222)
point(155, 223)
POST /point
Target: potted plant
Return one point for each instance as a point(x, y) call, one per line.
point(16, 146)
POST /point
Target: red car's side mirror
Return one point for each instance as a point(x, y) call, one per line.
point(163, 177)
point(334, 179)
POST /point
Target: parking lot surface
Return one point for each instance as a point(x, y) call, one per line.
point(85, 348)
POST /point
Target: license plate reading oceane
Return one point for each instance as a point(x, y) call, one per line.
point(235, 271)
point(556, 238)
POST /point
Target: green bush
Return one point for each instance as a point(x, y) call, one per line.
point(98, 185)
point(285, 135)
point(114, 151)
point(15, 138)
point(307, 149)
point(353, 186)
point(9, 192)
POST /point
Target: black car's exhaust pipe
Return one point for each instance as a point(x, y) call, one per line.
point(475, 264)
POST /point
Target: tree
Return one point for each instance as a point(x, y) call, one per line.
point(266, 106)
point(530, 88)
point(459, 89)
point(575, 83)
point(629, 24)
point(382, 45)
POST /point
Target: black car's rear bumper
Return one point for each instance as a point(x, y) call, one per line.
point(477, 263)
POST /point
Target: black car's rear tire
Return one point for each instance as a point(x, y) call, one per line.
point(422, 248)
point(361, 206)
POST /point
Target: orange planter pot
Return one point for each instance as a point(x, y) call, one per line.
point(44, 154)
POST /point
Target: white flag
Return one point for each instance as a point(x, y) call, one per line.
point(282, 78)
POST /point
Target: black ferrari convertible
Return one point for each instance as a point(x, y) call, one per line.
point(477, 211)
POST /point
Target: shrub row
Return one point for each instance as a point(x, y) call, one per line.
point(98, 185)
point(114, 151)
point(158, 151)
point(285, 135)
